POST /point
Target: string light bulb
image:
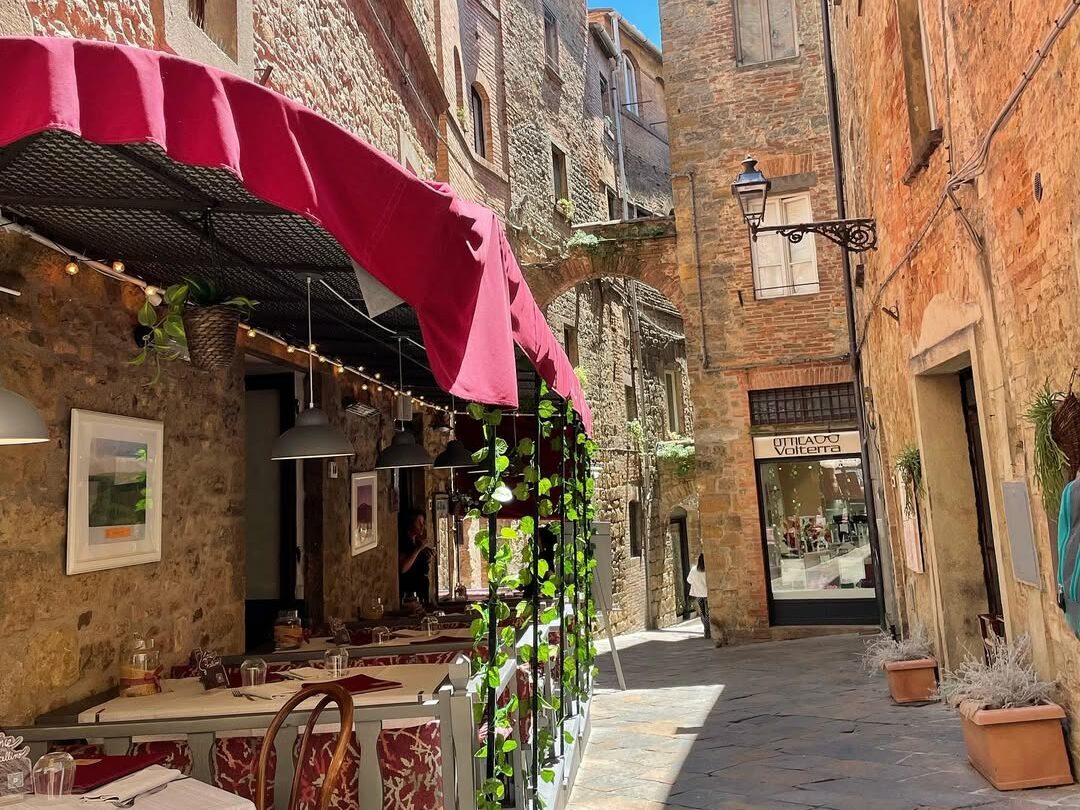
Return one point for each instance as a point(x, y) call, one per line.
point(290, 348)
point(118, 266)
point(251, 332)
point(312, 347)
point(72, 267)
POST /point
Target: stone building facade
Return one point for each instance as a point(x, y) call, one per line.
point(767, 319)
point(958, 139)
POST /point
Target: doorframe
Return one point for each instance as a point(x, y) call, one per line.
point(684, 557)
point(284, 384)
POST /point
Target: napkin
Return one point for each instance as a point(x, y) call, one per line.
point(98, 771)
point(361, 684)
point(143, 781)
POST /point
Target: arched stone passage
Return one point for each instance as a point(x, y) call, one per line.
point(641, 249)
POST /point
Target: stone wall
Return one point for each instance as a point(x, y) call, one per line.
point(66, 344)
point(992, 284)
point(741, 343)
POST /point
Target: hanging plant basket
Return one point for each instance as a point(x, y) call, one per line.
point(1065, 429)
point(211, 335)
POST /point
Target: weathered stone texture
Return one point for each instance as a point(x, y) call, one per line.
point(1005, 293)
point(66, 345)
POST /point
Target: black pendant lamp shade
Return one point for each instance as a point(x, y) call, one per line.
point(403, 450)
point(455, 455)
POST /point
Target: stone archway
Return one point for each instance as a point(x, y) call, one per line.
point(640, 249)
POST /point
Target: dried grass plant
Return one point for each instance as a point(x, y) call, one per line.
point(883, 649)
point(1008, 681)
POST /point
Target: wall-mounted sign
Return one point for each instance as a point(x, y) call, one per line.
point(807, 445)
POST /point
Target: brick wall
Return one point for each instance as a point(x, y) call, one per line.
point(718, 112)
point(1005, 304)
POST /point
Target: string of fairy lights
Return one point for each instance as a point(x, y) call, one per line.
point(371, 382)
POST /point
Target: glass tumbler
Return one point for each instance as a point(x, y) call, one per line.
point(54, 775)
point(253, 672)
point(430, 626)
point(380, 635)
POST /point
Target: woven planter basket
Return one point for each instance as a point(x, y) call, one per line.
point(211, 336)
point(1065, 430)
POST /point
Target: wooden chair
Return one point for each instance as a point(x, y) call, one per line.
point(331, 693)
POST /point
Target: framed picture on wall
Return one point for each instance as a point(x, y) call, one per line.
point(365, 511)
point(114, 492)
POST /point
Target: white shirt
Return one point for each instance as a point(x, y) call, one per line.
point(698, 587)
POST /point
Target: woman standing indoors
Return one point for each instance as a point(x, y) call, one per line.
point(699, 591)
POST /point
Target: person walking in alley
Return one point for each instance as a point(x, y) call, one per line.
point(700, 592)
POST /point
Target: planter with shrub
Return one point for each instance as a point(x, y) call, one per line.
point(1012, 729)
point(909, 665)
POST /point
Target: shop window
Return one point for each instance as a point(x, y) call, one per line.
point(551, 40)
point(673, 401)
point(918, 84)
point(558, 174)
point(217, 19)
point(570, 344)
point(630, 83)
point(766, 30)
point(804, 405)
point(633, 525)
point(817, 538)
point(780, 267)
point(479, 121)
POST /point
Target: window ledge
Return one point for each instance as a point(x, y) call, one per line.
point(920, 154)
point(552, 72)
point(768, 298)
point(741, 66)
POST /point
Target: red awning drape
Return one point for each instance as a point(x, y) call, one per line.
point(446, 257)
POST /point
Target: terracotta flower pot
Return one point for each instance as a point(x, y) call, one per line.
point(1018, 748)
point(912, 681)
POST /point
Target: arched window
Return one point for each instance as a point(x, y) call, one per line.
point(630, 84)
point(458, 103)
point(476, 103)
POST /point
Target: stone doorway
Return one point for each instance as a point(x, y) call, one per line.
point(680, 557)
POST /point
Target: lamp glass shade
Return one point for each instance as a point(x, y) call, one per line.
point(312, 437)
point(455, 455)
point(403, 452)
point(20, 423)
point(751, 189)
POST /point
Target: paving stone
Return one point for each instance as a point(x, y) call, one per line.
point(777, 726)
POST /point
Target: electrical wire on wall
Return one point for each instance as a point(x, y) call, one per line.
point(974, 166)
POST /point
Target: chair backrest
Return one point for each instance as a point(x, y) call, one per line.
point(331, 693)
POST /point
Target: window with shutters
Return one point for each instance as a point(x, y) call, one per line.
point(766, 31)
point(780, 267)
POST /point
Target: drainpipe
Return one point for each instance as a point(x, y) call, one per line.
point(849, 299)
point(616, 108)
point(644, 472)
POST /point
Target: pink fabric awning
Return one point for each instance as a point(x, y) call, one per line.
point(446, 257)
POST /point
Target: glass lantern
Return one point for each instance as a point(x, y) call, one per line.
point(253, 672)
point(336, 662)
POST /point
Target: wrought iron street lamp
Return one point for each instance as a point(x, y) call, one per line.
point(751, 189)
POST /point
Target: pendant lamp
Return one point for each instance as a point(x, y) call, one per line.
point(455, 454)
point(313, 436)
point(20, 423)
point(403, 450)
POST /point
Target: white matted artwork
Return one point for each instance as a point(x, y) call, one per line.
point(365, 511)
point(114, 491)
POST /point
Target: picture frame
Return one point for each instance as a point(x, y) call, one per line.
point(115, 477)
point(364, 502)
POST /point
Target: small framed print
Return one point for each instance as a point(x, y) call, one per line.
point(365, 511)
point(114, 492)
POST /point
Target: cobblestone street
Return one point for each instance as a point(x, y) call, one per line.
point(775, 726)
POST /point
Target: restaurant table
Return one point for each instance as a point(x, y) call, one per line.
point(184, 794)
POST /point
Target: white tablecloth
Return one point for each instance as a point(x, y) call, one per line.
point(187, 794)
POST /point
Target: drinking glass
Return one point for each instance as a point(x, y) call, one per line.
point(380, 635)
point(54, 775)
point(430, 625)
point(253, 672)
point(336, 662)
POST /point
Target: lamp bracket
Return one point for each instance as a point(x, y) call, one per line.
point(856, 235)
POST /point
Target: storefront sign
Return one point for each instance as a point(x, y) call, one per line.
point(806, 445)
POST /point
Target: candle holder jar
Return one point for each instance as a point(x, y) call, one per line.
point(54, 775)
point(140, 668)
point(288, 630)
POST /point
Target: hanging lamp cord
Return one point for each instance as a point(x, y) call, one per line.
point(310, 361)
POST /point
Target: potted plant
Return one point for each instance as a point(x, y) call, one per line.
point(197, 319)
point(1046, 408)
point(909, 665)
point(909, 467)
point(1012, 729)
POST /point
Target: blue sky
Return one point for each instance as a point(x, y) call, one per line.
point(645, 14)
